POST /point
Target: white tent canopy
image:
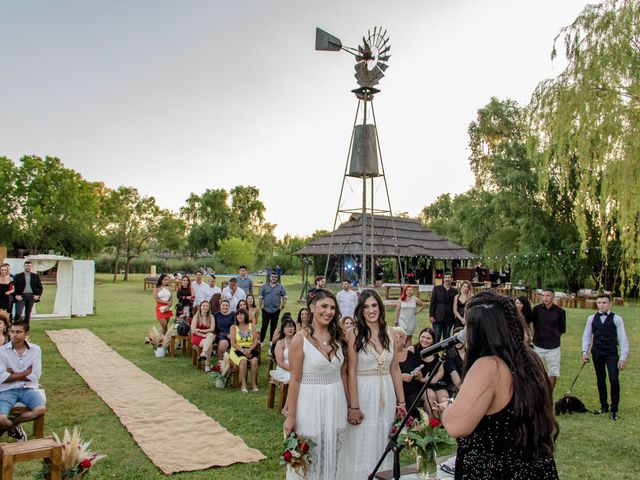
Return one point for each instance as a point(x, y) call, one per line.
point(75, 279)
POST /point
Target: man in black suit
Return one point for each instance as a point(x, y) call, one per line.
point(441, 307)
point(27, 290)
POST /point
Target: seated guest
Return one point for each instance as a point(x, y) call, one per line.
point(437, 391)
point(244, 342)
point(304, 318)
point(225, 319)
point(347, 323)
point(252, 308)
point(409, 366)
point(277, 335)
point(5, 325)
point(20, 369)
point(287, 331)
point(202, 327)
point(453, 361)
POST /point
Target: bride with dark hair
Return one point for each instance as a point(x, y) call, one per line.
point(375, 388)
point(317, 403)
point(503, 415)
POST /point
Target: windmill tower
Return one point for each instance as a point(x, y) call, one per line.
point(364, 159)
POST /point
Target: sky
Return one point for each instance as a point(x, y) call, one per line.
point(175, 97)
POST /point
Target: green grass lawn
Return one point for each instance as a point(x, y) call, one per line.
point(589, 446)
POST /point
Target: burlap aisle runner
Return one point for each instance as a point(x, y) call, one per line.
point(172, 432)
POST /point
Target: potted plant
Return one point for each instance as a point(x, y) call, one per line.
point(158, 341)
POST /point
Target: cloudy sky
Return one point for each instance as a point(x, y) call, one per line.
point(174, 97)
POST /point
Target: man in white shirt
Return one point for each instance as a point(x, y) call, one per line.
point(200, 289)
point(347, 300)
point(211, 289)
point(233, 293)
point(20, 369)
point(604, 332)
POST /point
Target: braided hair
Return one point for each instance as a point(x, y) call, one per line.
point(336, 339)
point(493, 329)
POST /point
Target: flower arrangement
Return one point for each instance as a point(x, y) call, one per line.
point(77, 459)
point(221, 373)
point(424, 436)
point(156, 339)
point(297, 453)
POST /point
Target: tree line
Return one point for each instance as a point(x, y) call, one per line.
point(47, 207)
point(561, 174)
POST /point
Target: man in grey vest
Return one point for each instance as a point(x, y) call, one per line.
point(604, 331)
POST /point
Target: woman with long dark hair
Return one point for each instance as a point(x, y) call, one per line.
point(525, 314)
point(185, 296)
point(317, 402)
point(304, 317)
point(437, 390)
point(375, 388)
point(503, 415)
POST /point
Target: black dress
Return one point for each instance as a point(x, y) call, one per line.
point(184, 301)
point(457, 323)
point(488, 453)
point(4, 299)
point(412, 388)
point(428, 367)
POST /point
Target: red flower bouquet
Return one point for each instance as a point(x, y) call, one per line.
point(297, 453)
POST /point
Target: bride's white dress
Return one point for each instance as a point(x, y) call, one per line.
point(365, 442)
point(321, 412)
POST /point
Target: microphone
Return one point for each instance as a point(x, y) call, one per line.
point(444, 344)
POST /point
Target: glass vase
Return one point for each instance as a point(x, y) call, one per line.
point(426, 466)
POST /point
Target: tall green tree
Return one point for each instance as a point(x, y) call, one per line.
point(208, 218)
point(8, 205)
point(587, 131)
point(133, 223)
point(56, 209)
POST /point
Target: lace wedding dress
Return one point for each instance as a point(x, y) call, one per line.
point(365, 442)
point(321, 412)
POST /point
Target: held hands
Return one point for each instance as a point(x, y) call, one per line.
point(19, 298)
point(432, 319)
point(621, 364)
point(401, 409)
point(36, 298)
point(585, 357)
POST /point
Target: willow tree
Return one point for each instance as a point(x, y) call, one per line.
point(586, 125)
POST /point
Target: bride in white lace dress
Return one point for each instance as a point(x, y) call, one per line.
point(375, 389)
point(317, 400)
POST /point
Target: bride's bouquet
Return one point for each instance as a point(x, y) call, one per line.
point(297, 453)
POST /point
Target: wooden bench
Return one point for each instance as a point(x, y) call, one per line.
point(183, 340)
point(284, 391)
point(41, 448)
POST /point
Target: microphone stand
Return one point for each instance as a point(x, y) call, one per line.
point(393, 444)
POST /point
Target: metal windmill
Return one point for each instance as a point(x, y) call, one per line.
point(364, 160)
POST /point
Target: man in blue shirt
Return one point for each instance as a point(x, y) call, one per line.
point(272, 299)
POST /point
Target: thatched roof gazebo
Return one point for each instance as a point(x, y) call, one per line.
point(405, 238)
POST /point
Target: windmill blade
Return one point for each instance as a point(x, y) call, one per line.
point(384, 59)
point(382, 66)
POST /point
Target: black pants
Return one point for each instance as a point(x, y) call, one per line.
point(269, 318)
point(442, 330)
point(26, 305)
point(603, 364)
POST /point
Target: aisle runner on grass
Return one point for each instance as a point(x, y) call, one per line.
point(158, 418)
